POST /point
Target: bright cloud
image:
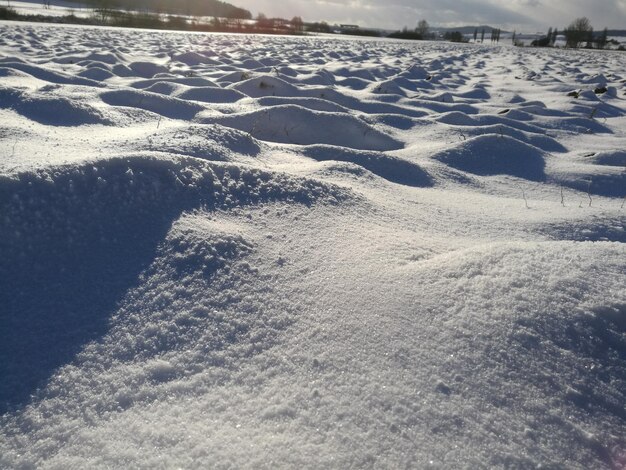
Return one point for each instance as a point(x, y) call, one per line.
point(528, 15)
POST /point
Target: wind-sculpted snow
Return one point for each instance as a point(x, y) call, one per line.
point(293, 124)
point(610, 158)
point(493, 154)
point(46, 108)
point(170, 107)
point(559, 337)
point(74, 238)
point(231, 251)
point(207, 141)
point(46, 75)
point(390, 168)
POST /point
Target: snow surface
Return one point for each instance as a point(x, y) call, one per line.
point(55, 8)
point(224, 251)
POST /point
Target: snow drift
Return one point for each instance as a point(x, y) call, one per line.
point(259, 252)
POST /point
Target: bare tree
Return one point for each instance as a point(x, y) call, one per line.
point(423, 29)
point(589, 44)
point(297, 24)
point(262, 21)
point(104, 12)
point(577, 32)
point(603, 39)
point(555, 34)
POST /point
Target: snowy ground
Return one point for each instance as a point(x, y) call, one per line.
point(256, 252)
point(56, 8)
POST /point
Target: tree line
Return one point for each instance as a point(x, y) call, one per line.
point(108, 16)
point(423, 31)
point(214, 8)
point(579, 33)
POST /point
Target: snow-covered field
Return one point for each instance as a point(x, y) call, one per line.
point(222, 251)
point(55, 8)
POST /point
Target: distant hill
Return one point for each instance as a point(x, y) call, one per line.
point(178, 7)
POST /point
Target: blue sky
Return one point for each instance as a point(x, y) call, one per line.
point(523, 15)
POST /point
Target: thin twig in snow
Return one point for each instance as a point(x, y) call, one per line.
point(525, 200)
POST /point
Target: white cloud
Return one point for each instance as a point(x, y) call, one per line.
point(529, 15)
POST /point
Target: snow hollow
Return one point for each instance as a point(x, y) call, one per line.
point(222, 251)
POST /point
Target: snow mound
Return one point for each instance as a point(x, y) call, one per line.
point(539, 334)
point(357, 72)
point(398, 121)
point(211, 94)
point(233, 77)
point(314, 104)
point(298, 125)
point(353, 83)
point(44, 74)
point(598, 79)
point(541, 141)
point(252, 64)
point(505, 121)
point(495, 154)
point(517, 115)
point(147, 69)
point(192, 58)
point(164, 88)
point(89, 57)
point(433, 103)
point(589, 179)
point(96, 73)
point(195, 249)
point(265, 85)
point(598, 228)
point(578, 125)
point(477, 93)
point(457, 118)
point(393, 169)
point(209, 142)
point(164, 105)
point(387, 87)
point(610, 158)
point(440, 97)
point(50, 110)
point(319, 77)
point(187, 81)
point(122, 70)
point(415, 72)
point(75, 239)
